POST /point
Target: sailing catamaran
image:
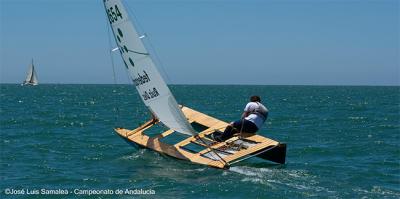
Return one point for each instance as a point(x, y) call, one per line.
point(31, 78)
point(197, 147)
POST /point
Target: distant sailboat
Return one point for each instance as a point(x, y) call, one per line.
point(31, 77)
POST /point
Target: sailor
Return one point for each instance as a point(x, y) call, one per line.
point(253, 117)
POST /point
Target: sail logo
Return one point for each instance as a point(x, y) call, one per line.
point(141, 79)
point(150, 94)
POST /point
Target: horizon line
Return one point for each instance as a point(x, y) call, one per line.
point(201, 84)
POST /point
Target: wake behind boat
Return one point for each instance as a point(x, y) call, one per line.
point(31, 78)
point(197, 146)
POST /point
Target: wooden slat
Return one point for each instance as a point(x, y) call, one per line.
point(142, 127)
point(165, 134)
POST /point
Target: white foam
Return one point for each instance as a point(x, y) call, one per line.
point(288, 178)
point(244, 170)
point(377, 190)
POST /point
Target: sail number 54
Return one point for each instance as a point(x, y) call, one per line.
point(113, 14)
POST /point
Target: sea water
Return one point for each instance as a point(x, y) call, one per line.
point(343, 142)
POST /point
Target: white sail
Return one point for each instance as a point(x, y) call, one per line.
point(29, 74)
point(34, 79)
point(143, 72)
point(31, 78)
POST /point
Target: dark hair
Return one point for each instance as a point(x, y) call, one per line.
point(255, 98)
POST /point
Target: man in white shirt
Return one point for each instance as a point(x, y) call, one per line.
point(253, 117)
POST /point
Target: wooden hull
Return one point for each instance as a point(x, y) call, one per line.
point(201, 149)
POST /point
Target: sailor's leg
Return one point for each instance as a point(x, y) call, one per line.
point(249, 127)
point(230, 130)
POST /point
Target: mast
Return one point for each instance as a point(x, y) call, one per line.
point(150, 85)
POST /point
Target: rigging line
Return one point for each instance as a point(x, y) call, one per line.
point(140, 29)
point(116, 118)
point(159, 60)
point(138, 52)
point(211, 149)
point(129, 50)
point(111, 55)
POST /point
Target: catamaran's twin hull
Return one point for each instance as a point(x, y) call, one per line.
point(201, 149)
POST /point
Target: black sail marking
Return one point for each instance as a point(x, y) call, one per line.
point(130, 60)
point(120, 33)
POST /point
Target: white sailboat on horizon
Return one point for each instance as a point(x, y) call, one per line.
point(31, 78)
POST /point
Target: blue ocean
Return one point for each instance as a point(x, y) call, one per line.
point(343, 142)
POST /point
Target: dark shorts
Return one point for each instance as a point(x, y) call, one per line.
point(238, 126)
point(248, 127)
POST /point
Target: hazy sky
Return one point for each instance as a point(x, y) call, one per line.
point(293, 42)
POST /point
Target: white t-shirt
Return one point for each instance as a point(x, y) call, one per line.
point(256, 118)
